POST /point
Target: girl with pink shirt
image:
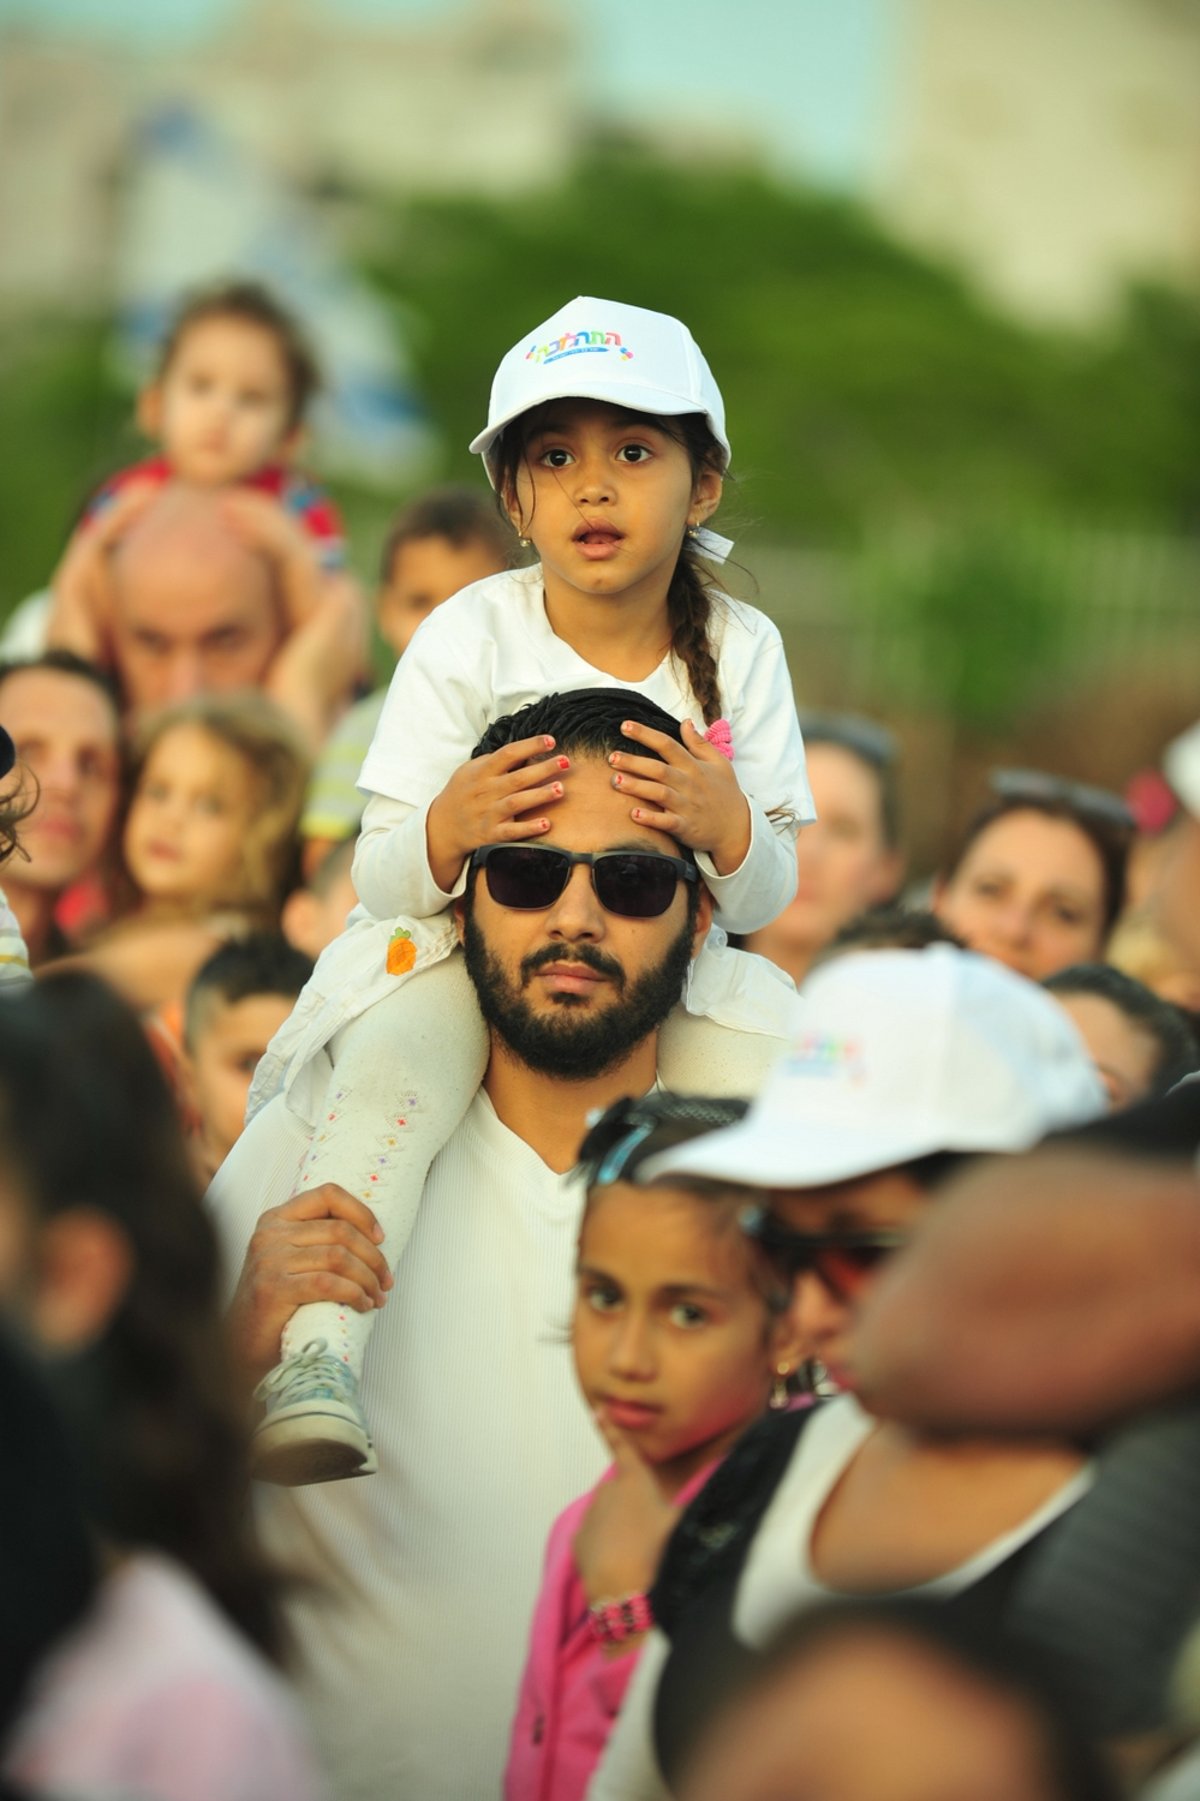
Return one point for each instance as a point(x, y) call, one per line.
point(681, 1336)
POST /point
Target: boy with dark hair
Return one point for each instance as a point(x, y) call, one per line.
point(440, 542)
point(237, 1001)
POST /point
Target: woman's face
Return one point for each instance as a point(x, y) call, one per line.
point(1030, 893)
point(844, 862)
point(887, 1201)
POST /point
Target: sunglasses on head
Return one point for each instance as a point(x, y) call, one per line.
point(636, 884)
point(849, 731)
point(844, 1261)
point(1090, 803)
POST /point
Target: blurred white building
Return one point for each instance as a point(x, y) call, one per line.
point(481, 100)
point(1050, 147)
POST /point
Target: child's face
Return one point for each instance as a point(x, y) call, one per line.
point(231, 1038)
point(424, 573)
point(190, 814)
point(606, 497)
point(221, 410)
point(672, 1340)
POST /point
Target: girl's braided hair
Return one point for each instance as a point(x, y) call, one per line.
point(691, 595)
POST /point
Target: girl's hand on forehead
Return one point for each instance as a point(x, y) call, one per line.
point(482, 802)
point(620, 1543)
point(693, 794)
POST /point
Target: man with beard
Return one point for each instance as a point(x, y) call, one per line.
point(414, 1635)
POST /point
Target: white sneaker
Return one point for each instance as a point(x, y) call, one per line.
point(313, 1428)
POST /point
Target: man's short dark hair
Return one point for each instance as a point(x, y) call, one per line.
point(585, 720)
point(259, 963)
point(65, 662)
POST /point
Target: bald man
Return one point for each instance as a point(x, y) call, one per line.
point(195, 608)
point(191, 591)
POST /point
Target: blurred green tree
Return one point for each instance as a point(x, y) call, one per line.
point(871, 394)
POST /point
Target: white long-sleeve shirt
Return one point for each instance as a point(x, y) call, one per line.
point(490, 650)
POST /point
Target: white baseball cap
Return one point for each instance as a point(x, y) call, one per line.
point(899, 1054)
point(604, 350)
point(1181, 766)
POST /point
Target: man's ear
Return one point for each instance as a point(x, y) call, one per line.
point(704, 913)
point(85, 1263)
point(148, 412)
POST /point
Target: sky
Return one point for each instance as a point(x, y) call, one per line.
point(807, 75)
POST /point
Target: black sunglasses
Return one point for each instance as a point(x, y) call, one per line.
point(842, 1260)
point(636, 884)
point(1081, 797)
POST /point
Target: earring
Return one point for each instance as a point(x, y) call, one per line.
point(780, 1393)
point(524, 543)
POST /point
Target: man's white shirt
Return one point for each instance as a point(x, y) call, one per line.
point(413, 1643)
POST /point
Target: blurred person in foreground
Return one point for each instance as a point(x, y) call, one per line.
point(904, 1063)
point(109, 1270)
point(439, 543)
point(1038, 878)
point(894, 1701)
point(151, 583)
point(63, 717)
point(850, 858)
point(49, 1562)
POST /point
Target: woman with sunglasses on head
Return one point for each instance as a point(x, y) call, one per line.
point(1038, 878)
point(606, 445)
point(849, 859)
point(905, 1063)
point(681, 1336)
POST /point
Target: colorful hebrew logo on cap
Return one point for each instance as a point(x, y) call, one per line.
point(577, 343)
point(823, 1054)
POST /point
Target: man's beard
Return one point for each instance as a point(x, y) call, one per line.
point(569, 1042)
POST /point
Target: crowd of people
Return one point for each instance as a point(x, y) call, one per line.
point(539, 1257)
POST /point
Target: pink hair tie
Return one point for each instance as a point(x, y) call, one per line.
point(720, 737)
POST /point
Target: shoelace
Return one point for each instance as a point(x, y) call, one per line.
point(299, 1369)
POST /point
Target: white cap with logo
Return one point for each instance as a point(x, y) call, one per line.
point(604, 350)
point(898, 1054)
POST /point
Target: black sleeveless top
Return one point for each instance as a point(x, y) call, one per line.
point(696, 1589)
